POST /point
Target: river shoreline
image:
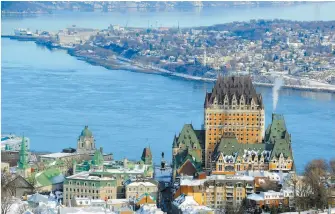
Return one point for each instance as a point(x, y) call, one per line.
point(125, 64)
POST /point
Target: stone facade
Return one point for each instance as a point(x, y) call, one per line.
point(93, 185)
point(137, 188)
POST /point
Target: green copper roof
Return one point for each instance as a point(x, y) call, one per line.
point(188, 138)
point(191, 155)
point(86, 132)
point(97, 159)
point(46, 177)
point(277, 141)
point(23, 154)
point(277, 134)
point(276, 130)
point(230, 146)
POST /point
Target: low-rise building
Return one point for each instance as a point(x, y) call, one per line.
point(4, 167)
point(216, 191)
point(269, 199)
point(134, 189)
point(10, 157)
point(93, 185)
point(17, 187)
point(121, 171)
point(62, 156)
point(49, 180)
point(13, 143)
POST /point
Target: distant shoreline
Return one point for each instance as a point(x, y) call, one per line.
point(163, 72)
point(119, 64)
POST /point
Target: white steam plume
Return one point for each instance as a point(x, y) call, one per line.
point(275, 91)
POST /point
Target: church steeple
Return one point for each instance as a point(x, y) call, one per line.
point(98, 158)
point(23, 154)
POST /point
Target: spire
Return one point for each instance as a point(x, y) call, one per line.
point(23, 155)
point(98, 158)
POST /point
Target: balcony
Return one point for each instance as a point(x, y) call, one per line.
point(229, 187)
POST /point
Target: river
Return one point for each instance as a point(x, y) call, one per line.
point(50, 96)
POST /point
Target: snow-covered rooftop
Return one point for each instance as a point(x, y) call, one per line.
point(149, 209)
point(136, 183)
point(189, 181)
point(86, 176)
point(58, 155)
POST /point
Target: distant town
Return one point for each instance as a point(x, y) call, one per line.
point(36, 7)
point(233, 164)
point(302, 53)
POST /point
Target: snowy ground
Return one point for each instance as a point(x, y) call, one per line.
point(312, 212)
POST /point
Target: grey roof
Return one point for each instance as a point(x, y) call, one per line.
point(234, 85)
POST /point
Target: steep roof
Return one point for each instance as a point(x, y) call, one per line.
point(189, 137)
point(233, 85)
point(189, 167)
point(146, 153)
point(229, 146)
point(277, 141)
point(23, 155)
point(97, 159)
point(277, 134)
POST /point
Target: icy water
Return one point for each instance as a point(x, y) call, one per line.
point(186, 17)
point(50, 96)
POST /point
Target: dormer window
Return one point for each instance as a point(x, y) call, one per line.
point(215, 101)
point(242, 101)
point(226, 100)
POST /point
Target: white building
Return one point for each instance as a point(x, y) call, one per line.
point(13, 143)
point(138, 188)
point(59, 156)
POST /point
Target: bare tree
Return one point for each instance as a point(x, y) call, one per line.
point(6, 203)
point(7, 192)
point(22, 208)
point(315, 174)
point(332, 166)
